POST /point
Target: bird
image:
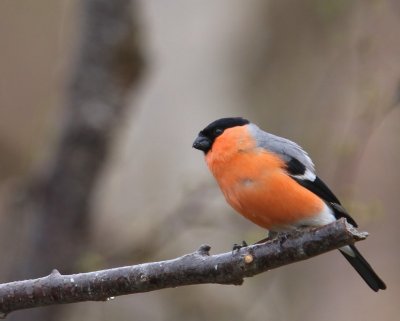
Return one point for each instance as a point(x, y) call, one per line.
point(271, 181)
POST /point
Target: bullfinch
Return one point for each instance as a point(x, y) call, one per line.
point(271, 181)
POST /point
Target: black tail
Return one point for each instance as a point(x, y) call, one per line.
point(364, 269)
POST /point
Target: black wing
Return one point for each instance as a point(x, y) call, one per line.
point(296, 169)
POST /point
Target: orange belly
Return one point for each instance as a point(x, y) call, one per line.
point(256, 185)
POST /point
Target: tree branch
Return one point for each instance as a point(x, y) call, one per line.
point(196, 268)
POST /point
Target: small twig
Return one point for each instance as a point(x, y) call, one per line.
point(196, 268)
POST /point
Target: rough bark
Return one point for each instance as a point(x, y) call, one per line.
point(55, 204)
point(196, 268)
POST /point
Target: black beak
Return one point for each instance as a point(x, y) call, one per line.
point(202, 143)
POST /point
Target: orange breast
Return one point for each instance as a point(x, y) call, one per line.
point(255, 184)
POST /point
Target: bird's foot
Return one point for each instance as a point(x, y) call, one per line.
point(271, 235)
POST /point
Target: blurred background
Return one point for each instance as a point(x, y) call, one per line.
point(96, 164)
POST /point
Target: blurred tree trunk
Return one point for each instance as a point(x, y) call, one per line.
point(51, 214)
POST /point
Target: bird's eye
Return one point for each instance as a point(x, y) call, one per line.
point(218, 131)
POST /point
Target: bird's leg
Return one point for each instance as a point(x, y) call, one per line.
point(271, 235)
